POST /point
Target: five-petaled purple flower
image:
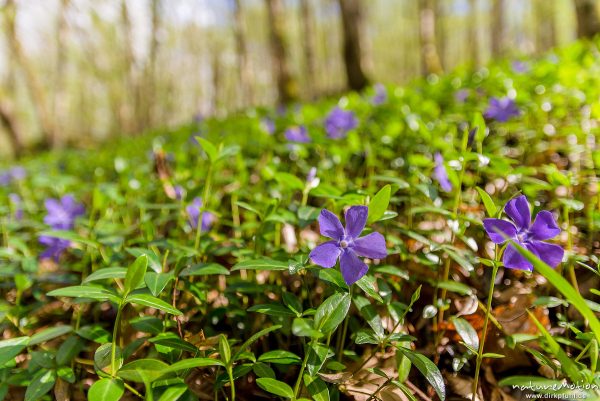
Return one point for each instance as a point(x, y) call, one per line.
point(339, 122)
point(529, 236)
point(62, 213)
point(440, 174)
point(193, 211)
point(346, 244)
point(297, 133)
point(61, 216)
point(502, 109)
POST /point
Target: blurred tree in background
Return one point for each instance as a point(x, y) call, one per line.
point(77, 71)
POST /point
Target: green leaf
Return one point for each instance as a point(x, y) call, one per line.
point(455, 286)
point(192, 363)
point(173, 392)
point(102, 357)
point(305, 328)
point(367, 284)
point(86, 291)
point(427, 369)
point(567, 365)
point(379, 203)
point(49, 334)
point(466, 332)
point(42, 382)
point(253, 338)
point(564, 287)
point(261, 264)
point(205, 269)
point(153, 302)
point(317, 355)
point(368, 312)
point(172, 340)
point(143, 370)
point(224, 349)
point(280, 357)
point(316, 388)
point(106, 390)
point(275, 387)
point(209, 148)
point(135, 274)
point(156, 282)
point(332, 312)
point(147, 324)
point(271, 309)
point(293, 303)
point(106, 273)
point(490, 207)
point(11, 348)
point(69, 350)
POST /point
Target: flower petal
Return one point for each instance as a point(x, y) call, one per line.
point(330, 225)
point(356, 218)
point(352, 267)
point(518, 210)
point(326, 254)
point(544, 226)
point(514, 260)
point(499, 230)
point(551, 254)
point(370, 246)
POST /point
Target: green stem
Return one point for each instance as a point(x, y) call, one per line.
point(204, 206)
point(344, 330)
point(485, 326)
point(231, 382)
point(302, 367)
point(113, 352)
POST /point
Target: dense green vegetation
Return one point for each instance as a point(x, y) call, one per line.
point(130, 295)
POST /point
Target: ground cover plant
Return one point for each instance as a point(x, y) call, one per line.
point(431, 242)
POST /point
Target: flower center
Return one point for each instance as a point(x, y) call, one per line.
point(344, 243)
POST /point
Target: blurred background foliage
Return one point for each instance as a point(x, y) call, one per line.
point(73, 72)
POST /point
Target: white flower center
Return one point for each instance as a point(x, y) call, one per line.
point(344, 243)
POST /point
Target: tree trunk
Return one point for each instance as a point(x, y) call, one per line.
point(353, 58)
point(59, 108)
point(149, 89)
point(588, 24)
point(132, 97)
point(546, 28)
point(36, 91)
point(474, 34)
point(244, 70)
point(308, 45)
point(430, 59)
point(498, 27)
point(287, 87)
point(9, 122)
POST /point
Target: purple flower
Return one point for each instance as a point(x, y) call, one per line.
point(502, 109)
point(268, 125)
point(461, 95)
point(17, 203)
point(346, 245)
point(17, 173)
point(54, 247)
point(440, 174)
point(339, 122)
point(298, 134)
point(62, 213)
point(179, 192)
point(520, 67)
point(193, 211)
point(529, 236)
point(312, 181)
point(380, 95)
point(5, 178)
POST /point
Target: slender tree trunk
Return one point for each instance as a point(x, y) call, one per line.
point(351, 14)
point(308, 45)
point(244, 68)
point(545, 27)
point(60, 98)
point(287, 87)
point(474, 34)
point(131, 108)
point(10, 124)
point(588, 24)
point(498, 27)
point(148, 90)
point(36, 91)
point(430, 59)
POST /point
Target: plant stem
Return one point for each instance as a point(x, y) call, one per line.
point(113, 352)
point(231, 382)
point(299, 379)
point(485, 326)
point(204, 206)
